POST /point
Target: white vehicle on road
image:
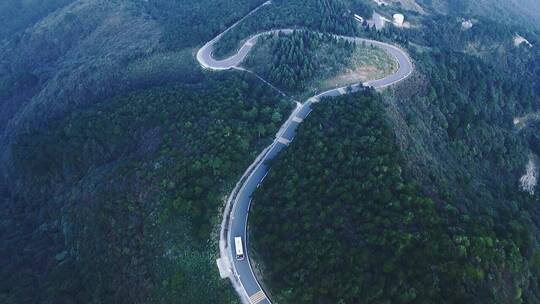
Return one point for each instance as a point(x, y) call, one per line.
point(239, 248)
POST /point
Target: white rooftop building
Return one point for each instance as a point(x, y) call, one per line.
point(466, 24)
point(399, 19)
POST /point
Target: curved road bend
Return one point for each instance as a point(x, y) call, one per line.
point(235, 220)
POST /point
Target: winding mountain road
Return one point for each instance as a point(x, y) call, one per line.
point(237, 208)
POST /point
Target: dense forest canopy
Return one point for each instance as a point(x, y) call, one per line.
point(298, 59)
point(182, 22)
point(455, 128)
point(138, 176)
point(504, 11)
point(117, 152)
point(16, 15)
point(336, 206)
point(303, 62)
point(320, 15)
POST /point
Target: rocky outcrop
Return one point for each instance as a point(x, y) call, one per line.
point(529, 180)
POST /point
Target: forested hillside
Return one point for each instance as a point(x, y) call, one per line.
point(118, 151)
point(190, 23)
point(120, 199)
point(16, 15)
point(90, 50)
point(460, 161)
point(319, 15)
point(346, 226)
point(507, 11)
point(489, 38)
point(298, 57)
point(304, 62)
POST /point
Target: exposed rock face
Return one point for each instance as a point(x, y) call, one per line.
point(524, 121)
point(529, 180)
point(519, 40)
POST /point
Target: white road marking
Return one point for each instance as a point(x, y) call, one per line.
point(257, 297)
point(284, 141)
point(262, 179)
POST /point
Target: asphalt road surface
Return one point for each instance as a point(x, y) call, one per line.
point(235, 223)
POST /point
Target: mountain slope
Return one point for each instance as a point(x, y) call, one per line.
point(98, 104)
point(117, 151)
point(346, 225)
point(507, 11)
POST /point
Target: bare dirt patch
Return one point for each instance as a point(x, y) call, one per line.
point(367, 63)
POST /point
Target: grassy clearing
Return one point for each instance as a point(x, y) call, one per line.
point(366, 63)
